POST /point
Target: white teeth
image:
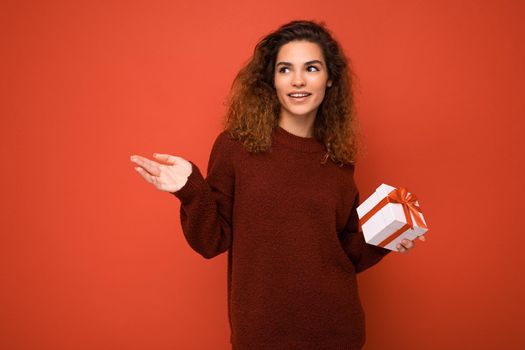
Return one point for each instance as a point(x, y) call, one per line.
point(299, 95)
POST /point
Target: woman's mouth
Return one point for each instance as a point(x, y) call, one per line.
point(299, 96)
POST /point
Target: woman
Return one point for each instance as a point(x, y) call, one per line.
point(280, 197)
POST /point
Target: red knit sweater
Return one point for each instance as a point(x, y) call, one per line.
point(290, 226)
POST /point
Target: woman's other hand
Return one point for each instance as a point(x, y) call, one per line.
point(169, 177)
point(405, 245)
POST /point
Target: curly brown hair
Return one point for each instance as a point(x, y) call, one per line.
point(253, 106)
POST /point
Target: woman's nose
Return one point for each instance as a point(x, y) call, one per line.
point(298, 80)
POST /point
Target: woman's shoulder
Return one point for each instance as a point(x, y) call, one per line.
point(225, 140)
point(343, 167)
point(226, 143)
point(345, 172)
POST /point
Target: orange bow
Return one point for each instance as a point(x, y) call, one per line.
point(399, 196)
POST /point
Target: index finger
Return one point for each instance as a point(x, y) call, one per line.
point(151, 167)
point(167, 158)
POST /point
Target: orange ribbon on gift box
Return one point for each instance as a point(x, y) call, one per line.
point(408, 201)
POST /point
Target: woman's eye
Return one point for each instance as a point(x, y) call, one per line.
point(316, 69)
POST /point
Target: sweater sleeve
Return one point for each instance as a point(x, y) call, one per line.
point(206, 204)
point(362, 254)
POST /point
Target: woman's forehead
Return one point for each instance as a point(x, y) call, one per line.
point(299, 52)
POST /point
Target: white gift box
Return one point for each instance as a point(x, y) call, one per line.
point(385, 222)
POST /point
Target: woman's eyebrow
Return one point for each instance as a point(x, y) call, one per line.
point(306, 63)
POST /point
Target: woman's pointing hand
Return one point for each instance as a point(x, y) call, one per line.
point(169, 177)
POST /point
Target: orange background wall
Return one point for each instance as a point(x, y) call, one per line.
point(92, 256)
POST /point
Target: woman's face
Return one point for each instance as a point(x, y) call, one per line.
point(300, 67)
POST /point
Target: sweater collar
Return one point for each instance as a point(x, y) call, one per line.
point(298, 143)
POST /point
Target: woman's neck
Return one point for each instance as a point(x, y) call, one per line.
point(299, 126)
